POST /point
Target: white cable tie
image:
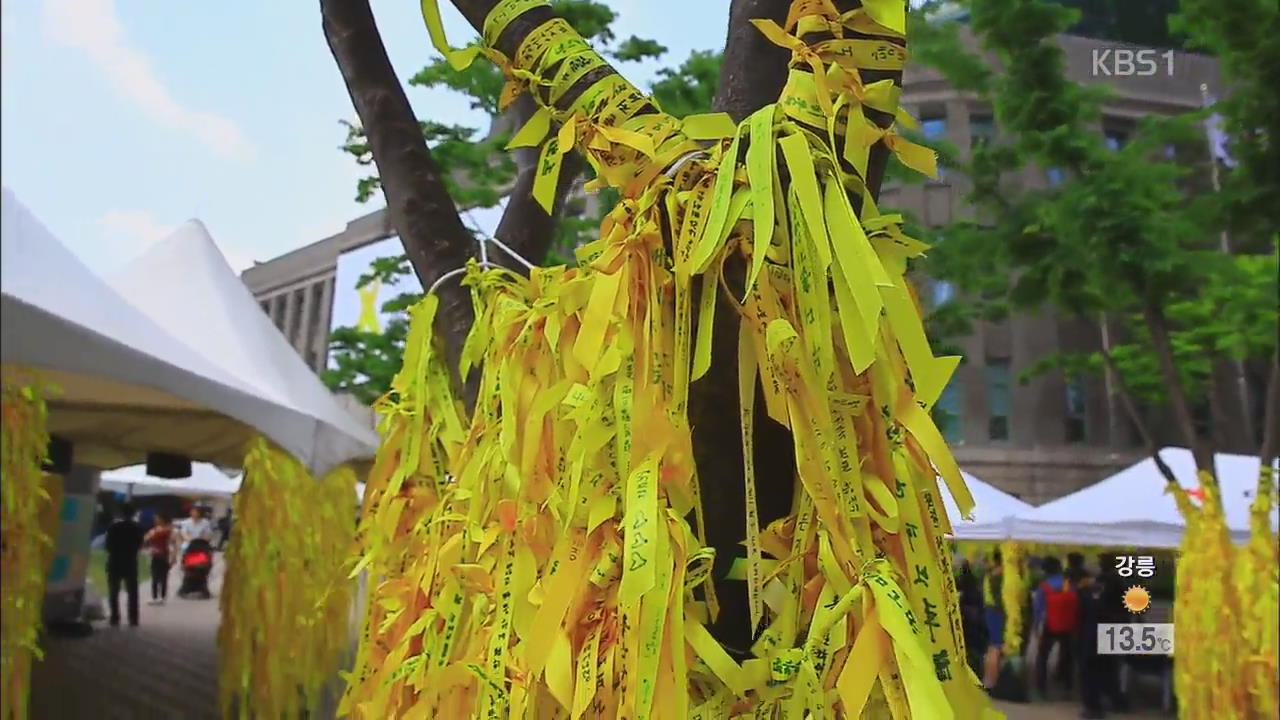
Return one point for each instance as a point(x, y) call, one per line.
point(440, 280)
point(675, 167)
point(514, 255)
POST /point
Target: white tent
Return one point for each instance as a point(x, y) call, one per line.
point(126, 387)
point(1131, 508)
point(206, 481)
point(991, 506)
point(186, 286)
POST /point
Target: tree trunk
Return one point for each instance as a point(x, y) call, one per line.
point(752, 75)
point(525, 227)
point(421, 210)
point(1158, 324)
point(753, 70)
point(424, 215)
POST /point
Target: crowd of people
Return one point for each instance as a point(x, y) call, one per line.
point(164, 541)
point(1066, 606)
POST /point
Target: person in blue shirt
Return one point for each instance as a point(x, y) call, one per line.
point(994, 618)
point(1055, 610)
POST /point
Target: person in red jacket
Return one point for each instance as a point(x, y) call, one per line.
point(1056, 609)
point(159, 544)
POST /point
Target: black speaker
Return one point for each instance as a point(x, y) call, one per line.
point(167, 466)
point(60, 453)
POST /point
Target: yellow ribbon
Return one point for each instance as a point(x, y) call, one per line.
point(368, 321)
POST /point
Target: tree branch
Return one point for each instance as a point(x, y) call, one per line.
point(525, 226)
point(717, 445)
point(753, 70)
point(421, 210)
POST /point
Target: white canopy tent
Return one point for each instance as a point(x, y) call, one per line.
point(185, 285)
point(1131, 508)
point(126, 387)
point(991, 506)
point(206, 481)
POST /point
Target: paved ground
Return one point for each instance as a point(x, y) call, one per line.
point(166, 668)
point(1062, 711)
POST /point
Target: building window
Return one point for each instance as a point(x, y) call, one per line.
point(934, 128)
point(1115, 133)
point(319, 313)
point(948, 414)
point(295, 319)
point(982, 130)
point(1075, 418)
point(277, 311)
point(999, 398)
point(1054, 176)
point(943, 292)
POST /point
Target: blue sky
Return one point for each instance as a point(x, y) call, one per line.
point(121, 119)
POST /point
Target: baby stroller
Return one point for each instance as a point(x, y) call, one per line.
point(197, 562)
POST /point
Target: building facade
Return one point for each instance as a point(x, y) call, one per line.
point(1050, 435)
point(1040, 439)
point(297, 289)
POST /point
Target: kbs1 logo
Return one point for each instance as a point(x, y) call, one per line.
point(1128, 62)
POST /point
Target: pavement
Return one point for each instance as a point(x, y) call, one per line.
point(166, 668)
point(1063, 711)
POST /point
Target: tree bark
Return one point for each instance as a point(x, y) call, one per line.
point(753, 70)
point(525, 226)
point(421, 210)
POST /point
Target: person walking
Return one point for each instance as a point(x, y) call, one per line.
point(993, 615)
point(1056, 608)
point(971, 615)
point(224, 531)
point(195, 527)
point(159, 542)
point(124, 540)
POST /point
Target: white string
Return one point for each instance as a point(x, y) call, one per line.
point(514, 255)
point(485, 263)
point(440, 280)
point(675, 167)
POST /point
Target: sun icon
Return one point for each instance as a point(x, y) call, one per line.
point(1137, 599)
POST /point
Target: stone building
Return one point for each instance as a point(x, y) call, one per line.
point(1051, 435)
point(297, 289)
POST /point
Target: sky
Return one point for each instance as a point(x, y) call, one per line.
point(120, 119)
